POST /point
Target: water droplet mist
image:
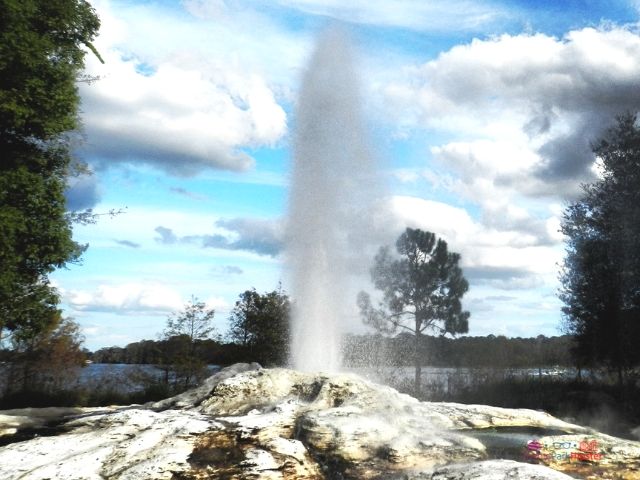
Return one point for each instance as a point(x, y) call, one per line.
point(332, 192)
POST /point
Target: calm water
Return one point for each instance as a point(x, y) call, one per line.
point(129, 377)
point(121, 376)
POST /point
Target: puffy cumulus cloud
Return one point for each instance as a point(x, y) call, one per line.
point(508, 227)
point(452, 223)
point(181, 112)
point(126, 298)
point(536, 99)
point(497, 176)
point(505, 254)
point(482, 170)
point(522, 111)
point(178, 118)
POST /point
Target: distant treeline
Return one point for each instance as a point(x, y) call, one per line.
point(489, 351)
point(154, 352)
point(363, 350)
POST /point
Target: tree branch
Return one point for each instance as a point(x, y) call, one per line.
point(398, 324)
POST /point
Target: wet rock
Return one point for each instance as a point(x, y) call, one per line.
point(491, 470)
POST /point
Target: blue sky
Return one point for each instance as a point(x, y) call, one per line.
point(480, 113)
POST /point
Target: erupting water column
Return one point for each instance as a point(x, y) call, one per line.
point(329, 195)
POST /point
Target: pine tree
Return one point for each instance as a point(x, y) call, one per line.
point(422, 291)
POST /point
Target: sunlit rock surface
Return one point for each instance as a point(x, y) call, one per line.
point(246, 422)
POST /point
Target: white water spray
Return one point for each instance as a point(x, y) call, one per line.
point(331, 191)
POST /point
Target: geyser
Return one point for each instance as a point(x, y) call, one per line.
point(333, 188)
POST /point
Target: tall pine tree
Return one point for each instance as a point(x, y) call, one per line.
point(422, 289)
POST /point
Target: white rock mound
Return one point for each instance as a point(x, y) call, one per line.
point(247, 422)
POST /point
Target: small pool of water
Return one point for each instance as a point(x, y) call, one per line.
point(510, 442)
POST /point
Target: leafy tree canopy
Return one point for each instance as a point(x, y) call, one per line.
point(601, 274)
point(260, 323)
point(41, 54)
point(42, 47)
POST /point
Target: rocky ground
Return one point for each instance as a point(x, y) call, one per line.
point(251, 423)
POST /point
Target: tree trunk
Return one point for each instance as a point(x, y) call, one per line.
point(620, 376)
point(417, 360)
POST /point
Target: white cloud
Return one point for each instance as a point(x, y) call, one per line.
point(521, 111)
point(138, 224)
point(258, 235)
point(209, 9)
point(179, 111)
point(502, 253)
point(127, 298)
point(413, 14)
point(219, 304)
point(452, 223)
point(541, 98)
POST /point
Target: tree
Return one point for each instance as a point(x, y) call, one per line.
point(421, 291)
point(181, 337)
point(47, 359)
point(42, 49)
point(260, 323)
point(601, 274)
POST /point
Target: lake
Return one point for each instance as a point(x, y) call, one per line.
point(122, 376)
point(129, 378)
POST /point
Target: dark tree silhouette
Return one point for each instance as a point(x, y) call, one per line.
point(421, 290)
point(260, 323)
point(601, 274)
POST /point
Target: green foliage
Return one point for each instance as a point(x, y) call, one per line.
point(601, 274)
point(181, 359)
point(421, 290)
point(260, 324)
point(152, 352)
point(45, 358)
point(41, 55)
